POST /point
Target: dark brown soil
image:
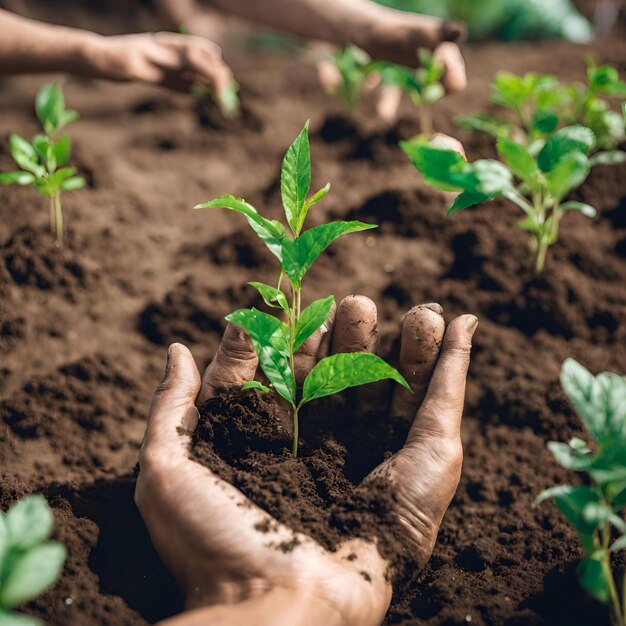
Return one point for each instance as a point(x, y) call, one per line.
point(83, 329)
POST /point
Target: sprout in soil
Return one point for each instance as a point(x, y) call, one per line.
point(276, 339)
point(422, 85)
point(43, 160)
point(29, 563)
point(540, 103)
point(536, 177)
point(227, 100)
point(594, 508)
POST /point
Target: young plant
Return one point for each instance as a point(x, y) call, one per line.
point(422, 85)
point(352, 63)
point(596, 508)
point(540, 104)
point(43, 161)
point(277, 338)
point(536, 178)
point(29, 563)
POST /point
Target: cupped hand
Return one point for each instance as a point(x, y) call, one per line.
point(175, 61)
point(204, 528)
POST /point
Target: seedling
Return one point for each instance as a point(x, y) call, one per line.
point(43, 161)
point(536, 178)
point(540, 104)
point(594, 508)
point(29, 563)
point(422, 85)
point(276, 339)
point(227, 100)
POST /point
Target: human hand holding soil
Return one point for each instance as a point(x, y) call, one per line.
point(206, 531)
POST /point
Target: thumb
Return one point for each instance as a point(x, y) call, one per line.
point(172, 409)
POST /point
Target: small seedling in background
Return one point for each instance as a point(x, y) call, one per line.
point(422, 85)
point(276, 341)
point(594, 508)
point(29, 563)
point(352, 64)
point(227, 100)
point(540, 104)
point(537, 180)
point(43, 161)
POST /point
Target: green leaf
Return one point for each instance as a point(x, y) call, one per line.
point(593, 579)
point(43, 148)
point(518, 159)
point(569, 457)
point(32, 573)
point(29, 521)
point(8, 618)
point(600, 401)
point(62, 149)
point(493, 177)
point(270, 233)
point(314, 199)
point(16, 178)
point(66, 117)
point(49, 105)
point(586, 209)
point(484, 122)
point(570, 172)
point(25, 155)
point(255, 384)
point(61, 175)
point(610, 157)
point(432, 93)
point(619, 544)
point(567, 140)
point(341, 371)
point(75, 182)
point(442, 168)
point(544, 121)
point(264, 329)
point(276, 367)
point(272, 296)
point(572, 501)
point(295, 179)
point(311, 319)
point(4, 538)
point(300, 254)
point(465, 200)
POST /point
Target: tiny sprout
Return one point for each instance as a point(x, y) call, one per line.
point(227, 100)
point(277, 338)
point(29, 563)
point(43, 160)
point(593, 509)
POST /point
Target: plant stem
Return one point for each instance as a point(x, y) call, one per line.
point(295, 431)
point(606, 563)
point(58, 216)
point(426, 121)
point(52, 217)
point(542, 249)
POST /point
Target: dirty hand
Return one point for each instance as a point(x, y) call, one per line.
point(204, 528)
point(169, 59)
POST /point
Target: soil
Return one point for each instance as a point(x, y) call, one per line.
point(84, 329)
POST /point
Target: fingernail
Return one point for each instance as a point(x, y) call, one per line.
point(433, 306)
point(472, 322)
point(323, 328)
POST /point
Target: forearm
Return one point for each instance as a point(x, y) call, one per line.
point(279, 607)
point(338, 21)
point(28, 46)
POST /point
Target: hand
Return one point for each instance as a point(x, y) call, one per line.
point(175, 61)
point(203, 527)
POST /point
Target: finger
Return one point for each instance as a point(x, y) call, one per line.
point(388, 104)
point(441, 411)
point(328, 76)
point(173, 410)
point(454, 76)
point(234, 364)
point(445, 141)
point(356, 326)
point(308, 353)
point(423, 328)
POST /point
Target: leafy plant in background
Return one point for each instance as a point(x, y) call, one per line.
point(535, 178)
point(506, 19)
point(276, 339)
point(43, 161)
point(540, 104)
point(594, 508)
point(422, 85)
point(29, 563)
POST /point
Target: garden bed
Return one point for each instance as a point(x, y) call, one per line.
point(83, 330)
